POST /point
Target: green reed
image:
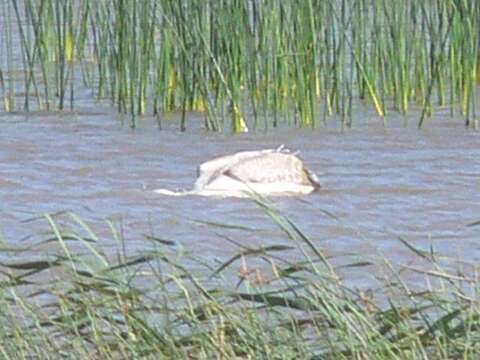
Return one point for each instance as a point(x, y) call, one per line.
point(62, 295)
point(244, 63)
point(7, 76)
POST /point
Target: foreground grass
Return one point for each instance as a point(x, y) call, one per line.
point(64, 298)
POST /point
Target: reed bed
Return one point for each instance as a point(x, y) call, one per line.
point(258, 63)
point(63, 296)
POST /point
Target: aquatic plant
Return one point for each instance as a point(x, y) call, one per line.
point(65, 295)
point(270, 61)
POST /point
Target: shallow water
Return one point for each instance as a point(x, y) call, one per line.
point(381, 182)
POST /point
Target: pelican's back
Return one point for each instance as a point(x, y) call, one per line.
point(271, 168)
point(211, 169)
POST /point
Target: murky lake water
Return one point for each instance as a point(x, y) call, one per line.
point(381, 182)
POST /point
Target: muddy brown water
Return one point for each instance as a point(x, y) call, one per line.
point(380, 182)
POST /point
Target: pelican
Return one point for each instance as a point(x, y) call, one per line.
point(266, 172)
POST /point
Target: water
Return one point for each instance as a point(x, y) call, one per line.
point(380, 182)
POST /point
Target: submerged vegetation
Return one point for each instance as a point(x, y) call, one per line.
point(271, 61)
point(284, 301)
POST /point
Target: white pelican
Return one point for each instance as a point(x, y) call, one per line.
point(265, 172)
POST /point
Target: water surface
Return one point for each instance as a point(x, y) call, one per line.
point(381, 182)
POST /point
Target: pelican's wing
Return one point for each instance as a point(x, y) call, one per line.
point(220, 163)
point(269, 168)
point(210, 170)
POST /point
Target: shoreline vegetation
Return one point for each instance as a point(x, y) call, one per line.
point(243, 63)
point(64, 297)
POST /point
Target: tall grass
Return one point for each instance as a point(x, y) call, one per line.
point(63, 296)
point(244, 63)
